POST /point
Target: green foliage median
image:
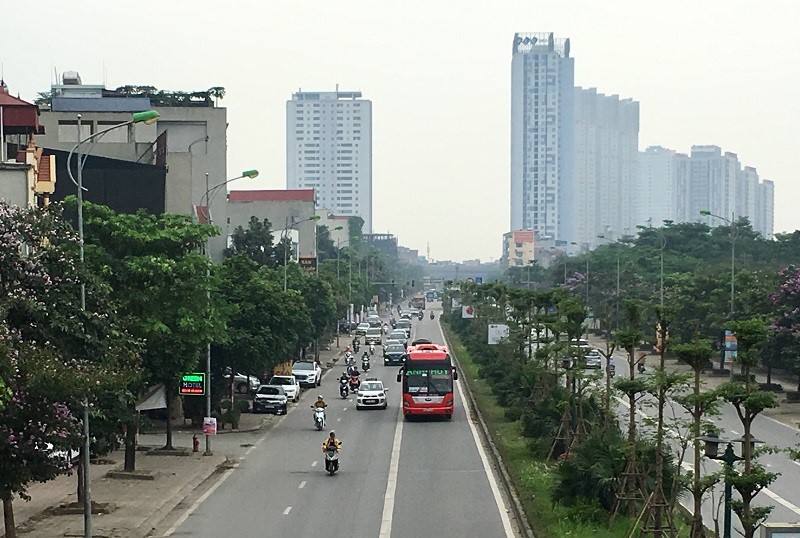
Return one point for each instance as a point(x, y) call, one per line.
point(533, 477)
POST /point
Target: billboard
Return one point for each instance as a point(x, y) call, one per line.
point(309, 263)
point(467, 312)
point(523, 236)
point(730, 346)
point(497, 332)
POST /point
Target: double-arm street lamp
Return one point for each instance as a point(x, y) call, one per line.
point(207, 196)
point(147, 117)
point(732, 224)
point(284, 235)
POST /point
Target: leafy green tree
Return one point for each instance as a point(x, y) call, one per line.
point(160, 279)
point(326, 250)
point(257, 243)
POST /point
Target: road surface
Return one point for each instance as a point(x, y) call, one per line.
point(438, 484)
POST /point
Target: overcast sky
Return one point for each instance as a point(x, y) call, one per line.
point(438, 73)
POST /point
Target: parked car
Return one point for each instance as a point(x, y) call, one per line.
point(289, 383)
point(270, 399)
point(308, 373)
point(242, 383)
point(347, 326)
point(361, 330)
point(394, 354)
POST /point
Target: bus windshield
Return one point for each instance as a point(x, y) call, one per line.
point(434, 381)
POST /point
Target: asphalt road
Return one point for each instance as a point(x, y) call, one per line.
point(439, 484)
point(783, 494)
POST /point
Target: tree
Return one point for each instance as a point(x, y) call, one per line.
point(256, 242)
point(699, 404)
point(786, 319)
point(53, 354)
point(159, 277)
point(749, 401)
point(326, 250)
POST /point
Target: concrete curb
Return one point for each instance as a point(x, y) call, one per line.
point(497, 459)
point(176, 496)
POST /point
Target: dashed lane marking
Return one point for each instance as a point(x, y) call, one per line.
point(288, 509)
point(302, 485)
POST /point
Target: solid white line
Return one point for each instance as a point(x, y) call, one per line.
point(314, 464)
point(498, 499)
point(198, 502)
point(302, 485)
point(391, 483)
point(288, 509)
point(795, 462)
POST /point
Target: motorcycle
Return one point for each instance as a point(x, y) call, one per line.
point(365, 364)
point(421, 315)
point(640, 367)
point(433, 315)
point(344, 390)
point(356, 346)
point(612, 370)
point(331, 460)
point(319, 417)
point(355, 382)
point(348, 359)
point(372, 349)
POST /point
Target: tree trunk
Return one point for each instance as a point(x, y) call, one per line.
point(79, 475)
point(130, 447)
point(747, 456)
point(168, 445)
point(632, 467)
point(659, 492)
point(8, 517)
point(698, 529)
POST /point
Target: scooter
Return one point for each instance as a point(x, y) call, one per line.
point(355, 382)
point(331, 460)
point(319, 417)
point(348, 359)
point(612, 370)
point(344, 390)
point(356, 345)
point(640, 367)
point(433, 315)
point(372, 349)
point(365, 364)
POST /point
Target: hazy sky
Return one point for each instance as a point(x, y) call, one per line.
point(438, 73)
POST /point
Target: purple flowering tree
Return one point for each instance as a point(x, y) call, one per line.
point(52, 353)
point(786, 323)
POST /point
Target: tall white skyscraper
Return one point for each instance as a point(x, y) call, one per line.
point(662, 188)
point(604, 200)
point(713, 179)
point(542, 82)
point(329, 149)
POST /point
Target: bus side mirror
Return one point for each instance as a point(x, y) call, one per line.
point(455, 374)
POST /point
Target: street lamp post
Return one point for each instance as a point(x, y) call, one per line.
point(147, 117)
point(207, 197)
point(284, 235)
point(731, 223)
point(728, 458)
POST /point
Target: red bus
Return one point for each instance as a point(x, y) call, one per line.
point(427, 376)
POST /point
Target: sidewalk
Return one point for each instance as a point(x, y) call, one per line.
point(136, 506)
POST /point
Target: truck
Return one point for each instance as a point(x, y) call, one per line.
point(418, 301)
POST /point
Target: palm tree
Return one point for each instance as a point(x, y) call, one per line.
point(217, 92)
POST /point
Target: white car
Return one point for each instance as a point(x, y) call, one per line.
point(593, 359)
point(308, 373)
point(289, 383)
point(242, 383)
point(361, 329)
point(371, 393)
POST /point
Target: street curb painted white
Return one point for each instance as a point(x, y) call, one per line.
point(516, 505)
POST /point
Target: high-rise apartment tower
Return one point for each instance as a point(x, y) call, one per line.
point(329, 149)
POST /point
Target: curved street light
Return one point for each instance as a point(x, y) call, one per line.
point(207, 195)
point(147, 117)
point(734, 234)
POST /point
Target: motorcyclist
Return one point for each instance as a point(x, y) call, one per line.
point(344, 377)
point(320, 403)
point(432, 314)
point(331, 441)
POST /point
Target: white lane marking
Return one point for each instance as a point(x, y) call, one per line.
point(288, 509)
point(302, 485)
point(768, 492)
point(781, 423)
point(498, 499)
point(795, 462)
point(198, 502)
point(344, 409)
point(314, 464)
point(391, 483)
point(339, 419)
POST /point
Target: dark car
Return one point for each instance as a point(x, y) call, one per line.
point(419, 341)
point(394, 354)
point(270, 399)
